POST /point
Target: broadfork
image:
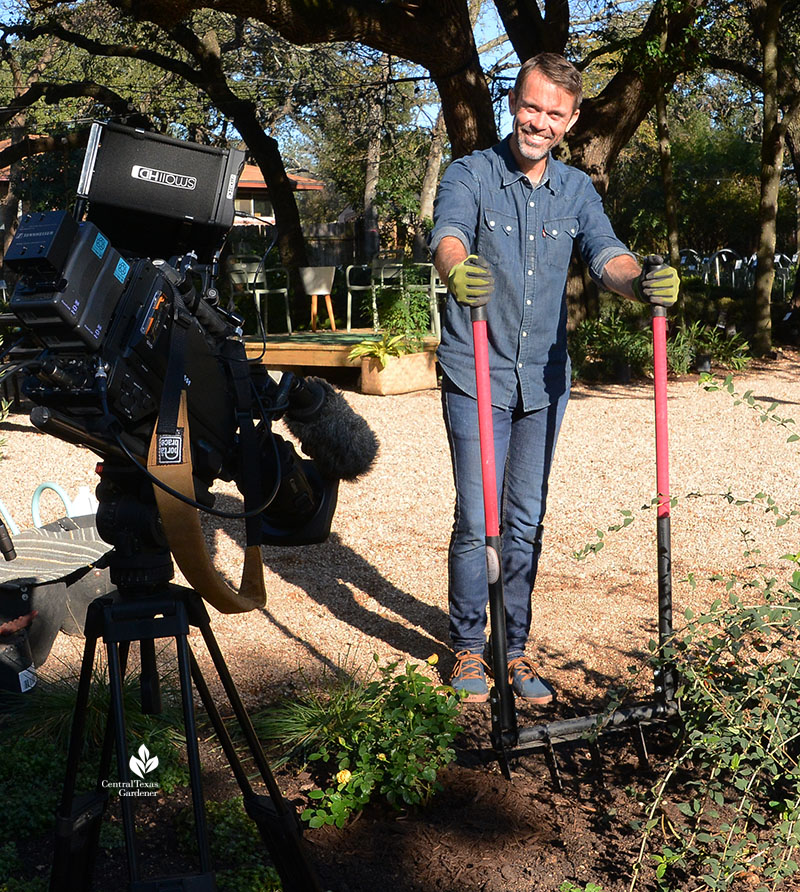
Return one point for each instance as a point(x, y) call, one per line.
point(507, 738)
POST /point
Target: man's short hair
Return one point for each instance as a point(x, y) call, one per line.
point(557, 70)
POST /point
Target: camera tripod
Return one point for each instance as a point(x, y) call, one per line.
point(144, 607)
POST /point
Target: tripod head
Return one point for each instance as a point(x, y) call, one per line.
point(128, 519)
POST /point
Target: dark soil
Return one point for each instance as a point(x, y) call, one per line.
point(481, 833)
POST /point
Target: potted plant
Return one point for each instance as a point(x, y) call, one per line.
point(398, 362)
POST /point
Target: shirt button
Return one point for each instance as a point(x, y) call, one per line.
point(528, 302)
point(530, 238)
point(519, 365)
point(524, 334)
point(492, 224)
point(508, 229)
point(531, 204)
point(530, 273)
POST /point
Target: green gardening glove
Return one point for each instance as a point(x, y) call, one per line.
point(471, 282)
point(658, 283)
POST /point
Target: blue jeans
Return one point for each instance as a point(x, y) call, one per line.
point(524, 443)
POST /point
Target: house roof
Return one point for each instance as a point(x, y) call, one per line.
point(252, 180)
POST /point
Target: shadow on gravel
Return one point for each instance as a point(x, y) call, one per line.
point(338, 578)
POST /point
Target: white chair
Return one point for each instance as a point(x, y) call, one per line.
point(318, 281)
point(248, 276)
point(358, 278)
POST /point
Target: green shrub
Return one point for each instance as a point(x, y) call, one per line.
point(621, 337)
point(734, 779)
point(387, 737)
point(34, 731)
point(601, 348)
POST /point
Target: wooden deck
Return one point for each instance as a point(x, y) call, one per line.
point(312, 350)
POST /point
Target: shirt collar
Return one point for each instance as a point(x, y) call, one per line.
point(510, 172)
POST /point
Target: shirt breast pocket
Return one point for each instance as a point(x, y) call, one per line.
point(498, 236)
point(559, 237)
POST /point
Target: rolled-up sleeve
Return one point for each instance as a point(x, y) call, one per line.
point(455, 210)
point(597, 241)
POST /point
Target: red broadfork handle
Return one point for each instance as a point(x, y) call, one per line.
point(666, 677)
point(662, 431)
point(485, 424)
point(504, 717)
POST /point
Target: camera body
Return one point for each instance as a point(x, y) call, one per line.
point(109, 322)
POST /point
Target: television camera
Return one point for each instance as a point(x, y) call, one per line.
point(135, 358)
point(125, 308)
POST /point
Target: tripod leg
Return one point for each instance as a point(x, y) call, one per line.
point(185, 658)
point(77, 820)
point(276, 820)
point(115, 674)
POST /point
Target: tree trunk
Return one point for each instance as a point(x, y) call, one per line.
point(772, 144)
point(375, 117)
point(670, 200)
point(291, 244)
point(428, 189)
point(606, 124)
point(467, 108)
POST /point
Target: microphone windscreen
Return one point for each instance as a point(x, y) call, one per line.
point(338, 440)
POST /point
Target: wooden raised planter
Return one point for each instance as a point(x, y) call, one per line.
point(403, 374)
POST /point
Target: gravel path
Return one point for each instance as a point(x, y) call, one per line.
point(378, 585)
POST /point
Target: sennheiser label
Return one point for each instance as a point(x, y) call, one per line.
point(170, 448)
point(163, 177)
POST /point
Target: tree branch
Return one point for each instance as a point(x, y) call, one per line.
point(97, 48)
point(37, 145)
point(55, 93)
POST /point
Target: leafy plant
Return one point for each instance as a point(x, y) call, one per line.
point(386, 737)
point(603, 348)
point(387, 346)
point(766, 414)
point(14, 884)
point(404, 308)
point(734, 779)
point(34, 730)
point(46, 711)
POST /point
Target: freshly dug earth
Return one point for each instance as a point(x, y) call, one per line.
point(378, 586)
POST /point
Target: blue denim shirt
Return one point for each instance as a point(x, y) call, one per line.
point(526, 234)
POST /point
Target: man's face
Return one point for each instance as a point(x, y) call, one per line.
point(543, 113)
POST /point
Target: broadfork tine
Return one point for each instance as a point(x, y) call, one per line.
point(552, 764)
point(640, 744)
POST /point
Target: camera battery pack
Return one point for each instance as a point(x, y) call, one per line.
point(71, 306)
point(42, 244)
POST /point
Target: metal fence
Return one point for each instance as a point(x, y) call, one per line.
point(726, 268)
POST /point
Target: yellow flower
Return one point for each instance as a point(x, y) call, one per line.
point(343, 777)
point(432, 660)
point(381, 757)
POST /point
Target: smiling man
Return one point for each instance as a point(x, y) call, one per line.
point(506, 221)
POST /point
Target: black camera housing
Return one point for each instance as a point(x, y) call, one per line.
point(107, 320)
